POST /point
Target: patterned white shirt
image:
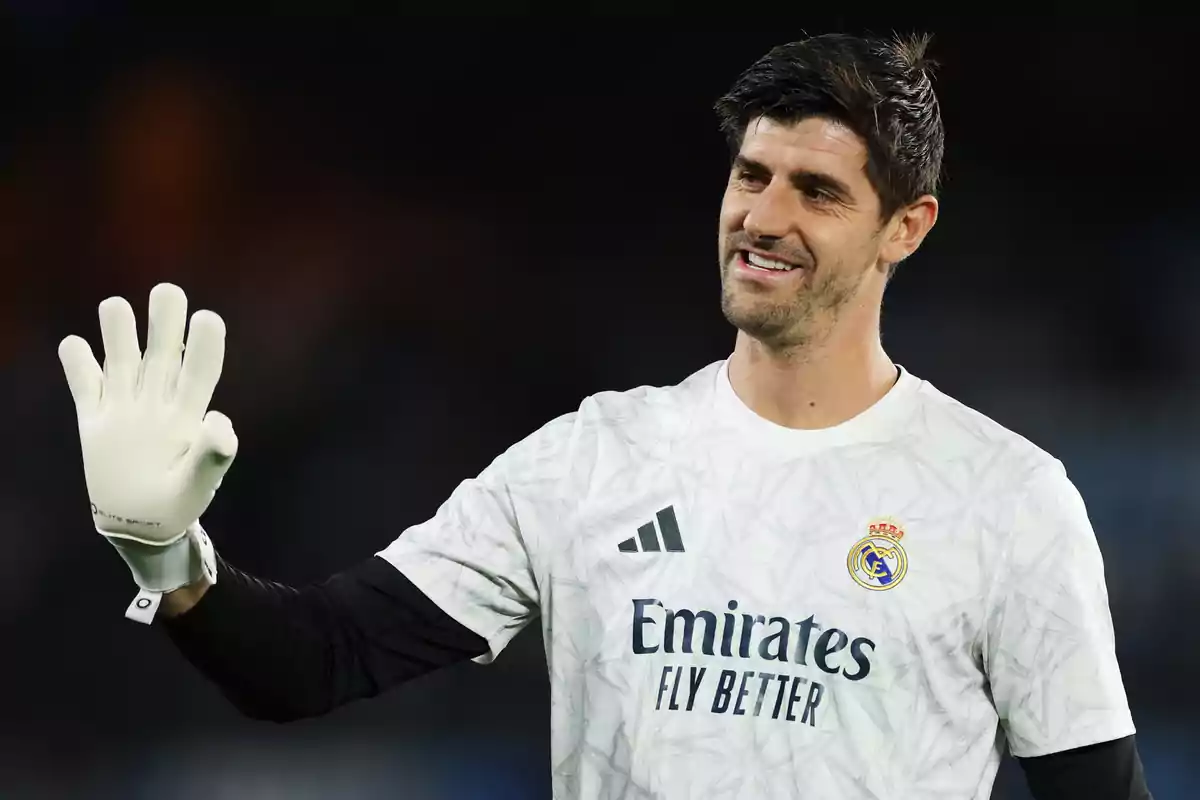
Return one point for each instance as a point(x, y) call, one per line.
point(733, 609)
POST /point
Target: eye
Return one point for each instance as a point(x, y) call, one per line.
point(818, 195)
point(750, 178)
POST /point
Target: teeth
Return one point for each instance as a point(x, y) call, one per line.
point(756, 260)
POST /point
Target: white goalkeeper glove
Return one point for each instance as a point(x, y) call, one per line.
point(152, 457)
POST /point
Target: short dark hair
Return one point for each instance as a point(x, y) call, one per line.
point(882, 89)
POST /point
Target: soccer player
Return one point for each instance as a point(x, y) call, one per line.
point(803, 572)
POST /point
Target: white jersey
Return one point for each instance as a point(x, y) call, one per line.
point(733, 609)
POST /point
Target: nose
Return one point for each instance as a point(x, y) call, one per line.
point(772, 213)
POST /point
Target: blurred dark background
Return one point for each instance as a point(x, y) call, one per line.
point(429, 238)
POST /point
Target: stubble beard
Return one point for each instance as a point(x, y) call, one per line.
point(790, 325)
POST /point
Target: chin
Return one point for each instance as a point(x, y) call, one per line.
point(772, 326)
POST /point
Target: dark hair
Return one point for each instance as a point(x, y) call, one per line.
point(879, 88)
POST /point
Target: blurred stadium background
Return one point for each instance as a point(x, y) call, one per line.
point(429, 238)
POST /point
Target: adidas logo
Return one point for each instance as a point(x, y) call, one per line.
point(647, 536)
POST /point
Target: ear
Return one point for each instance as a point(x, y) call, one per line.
point(907, 229)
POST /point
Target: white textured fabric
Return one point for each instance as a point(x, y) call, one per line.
point(737, 610)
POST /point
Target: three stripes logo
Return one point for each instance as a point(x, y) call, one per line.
point(647, 536)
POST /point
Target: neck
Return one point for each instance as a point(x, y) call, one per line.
point(815, 387)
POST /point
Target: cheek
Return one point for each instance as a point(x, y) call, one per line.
point(731, 218)
point(837, 240)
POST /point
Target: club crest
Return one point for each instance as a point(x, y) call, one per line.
point(878, 561)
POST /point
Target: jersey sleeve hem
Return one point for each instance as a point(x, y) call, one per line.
point(441, 593)
point(1092, 736)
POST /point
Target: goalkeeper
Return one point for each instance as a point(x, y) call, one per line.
point(803, 572)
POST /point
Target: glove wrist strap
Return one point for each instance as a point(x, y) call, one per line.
point(158, 569)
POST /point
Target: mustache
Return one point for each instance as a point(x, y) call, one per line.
point(744, 241)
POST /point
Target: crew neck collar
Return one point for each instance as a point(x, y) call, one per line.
point(875, 422)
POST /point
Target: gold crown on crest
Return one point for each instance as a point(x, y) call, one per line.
point(886, 527)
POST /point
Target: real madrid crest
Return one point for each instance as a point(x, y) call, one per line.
point(878, 561)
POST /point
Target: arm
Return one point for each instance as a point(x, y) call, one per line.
point(280, 653)
point(1050, 654)
point(457, 586)
point(1106, 771)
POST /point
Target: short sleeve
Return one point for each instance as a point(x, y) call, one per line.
point(473, 558)
point(1049, 647)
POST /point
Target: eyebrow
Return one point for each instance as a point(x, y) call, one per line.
point(801, 178)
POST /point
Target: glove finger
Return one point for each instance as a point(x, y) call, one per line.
point(202, 362)
point(164, 338)
point(84, 376)
point(213, 451)
point(217, 436)
point(118, 328)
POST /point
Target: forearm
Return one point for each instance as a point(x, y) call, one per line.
point(265, 646)
point(280, 653)
point(1106, 771)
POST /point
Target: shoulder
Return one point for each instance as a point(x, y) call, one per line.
point(610, 422)
point(1020, 493)
point(953, 433)
point(649, 405)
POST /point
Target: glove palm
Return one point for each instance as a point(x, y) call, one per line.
point(153, 454)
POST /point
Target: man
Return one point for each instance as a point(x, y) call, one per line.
point(801, 573)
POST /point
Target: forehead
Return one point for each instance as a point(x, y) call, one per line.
point(812, 144)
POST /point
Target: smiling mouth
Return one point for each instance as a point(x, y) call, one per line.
point(761, 263)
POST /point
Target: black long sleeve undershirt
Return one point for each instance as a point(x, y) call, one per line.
point(1105, 771)
point(279, 653)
